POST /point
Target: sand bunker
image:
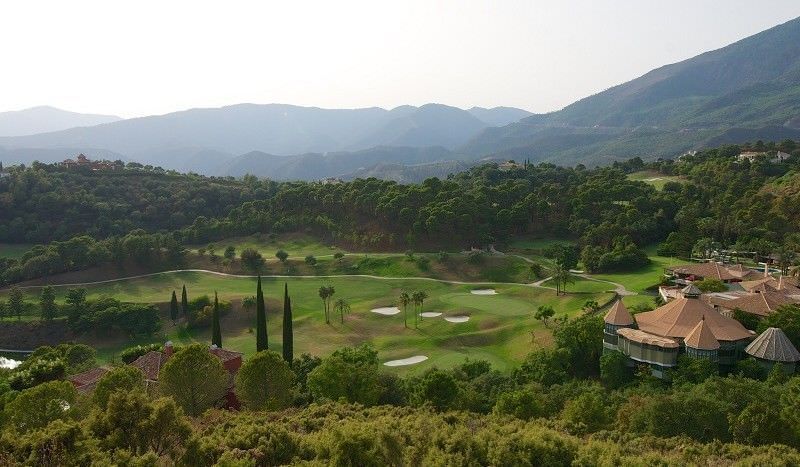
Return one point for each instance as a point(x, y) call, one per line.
point(386, 310)
point(483, 292)
point(9, 363)
point(457, 319)
point(430, 314)
point(407, 361)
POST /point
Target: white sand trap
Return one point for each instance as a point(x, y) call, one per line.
point(11, 364)
point(457, 319)
point(430, 314)
point(483, 292)
point(407, 361)
point(386, 310)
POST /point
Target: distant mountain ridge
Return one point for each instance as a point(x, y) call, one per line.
point(734, 94)
point(179, 140)
point(45, 119)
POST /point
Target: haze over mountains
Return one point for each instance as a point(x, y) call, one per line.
point(44, 119)
point(746, 91)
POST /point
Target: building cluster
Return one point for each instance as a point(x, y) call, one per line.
point(83, 161)
point(752, 156)
point(151, 363)
point(702, 325)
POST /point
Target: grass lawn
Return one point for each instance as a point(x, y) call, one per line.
point(501, 328)
point(656, 179)
point(297, 245)
point(14, 250)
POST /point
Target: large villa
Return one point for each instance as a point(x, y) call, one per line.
point(702, 325)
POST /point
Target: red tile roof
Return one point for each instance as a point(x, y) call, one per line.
point(150, 364)
point(86, 381)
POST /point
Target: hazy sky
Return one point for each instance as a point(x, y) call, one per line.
point(143, 57)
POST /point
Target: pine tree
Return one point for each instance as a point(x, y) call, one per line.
point(184, 303)
point(173, 308)
point(216, 333)
point(48, 303)
point(288, 332)
point(262, 340)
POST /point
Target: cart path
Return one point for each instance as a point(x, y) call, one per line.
point(618, 288)
point(249, 276)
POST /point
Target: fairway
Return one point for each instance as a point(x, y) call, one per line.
point(501, 327)
point(14, 250)
point(657, 180)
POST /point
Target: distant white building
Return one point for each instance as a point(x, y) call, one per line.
point(779, 156)
point(330, 181)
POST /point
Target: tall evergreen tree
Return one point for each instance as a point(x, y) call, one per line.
point(262, 339)
point(48, 303)
point(216, 332)
point(184, 303)
point(173, 308)
point(288, 332)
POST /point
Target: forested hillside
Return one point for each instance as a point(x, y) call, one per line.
point(610, 216)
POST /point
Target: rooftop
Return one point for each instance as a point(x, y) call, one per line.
point(642, 337)
point(618, 315)
point(679, 317)
point(773, 345)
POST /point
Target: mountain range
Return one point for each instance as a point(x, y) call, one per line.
point(45, 119)
point(746, 91)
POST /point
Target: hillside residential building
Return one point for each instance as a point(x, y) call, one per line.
point(753, 155)
point(83, 161)
point(151, 363)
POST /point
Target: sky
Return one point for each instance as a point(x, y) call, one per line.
point(136, 58)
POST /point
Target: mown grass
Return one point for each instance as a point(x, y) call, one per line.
point(501, 328)
point(14, 250)
point(656, 179)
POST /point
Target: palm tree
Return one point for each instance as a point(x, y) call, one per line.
point(405, 300)
point(418, 297)
point(326, 294)
point(562, 276)
point(342, 307)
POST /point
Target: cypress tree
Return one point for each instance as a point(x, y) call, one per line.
point(288, 332)
point(216, 333)
point(262, 341)
point(184, 303)
point(173, 308)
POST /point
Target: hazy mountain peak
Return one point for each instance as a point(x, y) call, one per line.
point(45, 118)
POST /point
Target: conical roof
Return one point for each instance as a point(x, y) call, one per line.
point(701, 338)
point(680, 316)
point(691, 291)
point(618, 315)
point(773, 345)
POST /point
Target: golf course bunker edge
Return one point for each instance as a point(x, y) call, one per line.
point(407, 361)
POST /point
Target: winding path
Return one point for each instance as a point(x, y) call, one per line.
point(250, 276)
point(618, 288)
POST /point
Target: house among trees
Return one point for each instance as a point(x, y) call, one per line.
point(685, 325)
point(687, 273)
point(150, 364)
point(751, 156)
point(85, 382)
point(83, 161)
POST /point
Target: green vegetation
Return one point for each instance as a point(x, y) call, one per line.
point(656, 179)
point(14, 250)
point(499, 328)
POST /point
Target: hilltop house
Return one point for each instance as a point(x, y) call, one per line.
point(83, 161)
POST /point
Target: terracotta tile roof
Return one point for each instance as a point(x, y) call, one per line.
point(706, 271)
point(773, 345)
point(618, 315)
point(642, 337)
point(150, 364)
point(701, 338)
point(759, 303)
point(680, 316)
point(86, 381)
point(225, 354)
